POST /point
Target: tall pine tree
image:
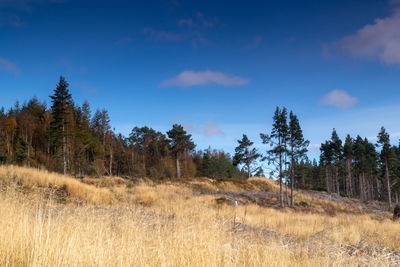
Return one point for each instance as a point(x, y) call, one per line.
point(384, 143)
point(298, 148)
point(61, 109)
point(336, 146)
point(277, 140)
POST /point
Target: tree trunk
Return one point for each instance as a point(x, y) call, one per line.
point(133, 162)
point(64, 149)
point(111, 159)
point(388, 183)
point(280, 176)
point(328, 188)
point(178, 169)
point(337, 179)
point(348, 178)
point(286, 180)
point(292, 181)
point(287, 192)
point(378, 192)
point(361, 185)
point(248, 170)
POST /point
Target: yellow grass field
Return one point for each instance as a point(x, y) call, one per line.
point(47, 219)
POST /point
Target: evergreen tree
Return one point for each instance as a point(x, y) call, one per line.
point(180, 141)
point(384, 143)
point(60, 110)
point(298, 148)
point(153, 148)
point(277, 140)
point(336, 146)
point(326, 161)
point(348, 157)
point(360, 165)
point(246, 154)
point(371, 164)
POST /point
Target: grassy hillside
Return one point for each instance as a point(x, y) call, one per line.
point(49, 219)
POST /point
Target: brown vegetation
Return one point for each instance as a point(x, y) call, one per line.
point(49, 219)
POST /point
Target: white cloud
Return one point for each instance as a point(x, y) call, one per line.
point(211, 129)
point(380, 40)
point(193, 78)
point(314, 148)
point(9, 66)
point(189, 127)
point(208, 128)
point(162, 35)
point(339, 98)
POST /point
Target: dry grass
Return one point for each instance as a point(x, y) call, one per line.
point(170, 224)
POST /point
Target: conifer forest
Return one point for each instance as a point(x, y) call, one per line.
point(71, 139)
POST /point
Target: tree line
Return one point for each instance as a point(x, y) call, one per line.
point(354, 167)
point(67, 138)
point(357, 167)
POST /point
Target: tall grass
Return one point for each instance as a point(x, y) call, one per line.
point(170, 224)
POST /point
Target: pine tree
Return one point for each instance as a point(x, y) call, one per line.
point(384, 143)
point(360, 165)
point(246, 154)
point(298, 148)
point(371, 166)
point(61, 108)
point(277, 140)
point(348, 157)
point(336, 146)
point(326, 160)
point(180, 141)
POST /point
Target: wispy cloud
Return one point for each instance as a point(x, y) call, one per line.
point(208, 128)
point(163, 35)
point(197, 27)
point(208, 23)
point(186, 22)
point(380, 40)
point(70, 67)
point(10, 20)
point(193, 78)
point(394, 2)
point(212, 129)
point(9, 66)
point(86, 88)
point(256, 42)
point(339, 98)
point(314, 148)
point(123, 41)
point(189, 127)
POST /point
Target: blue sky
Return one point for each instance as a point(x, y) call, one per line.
point(218, 67)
